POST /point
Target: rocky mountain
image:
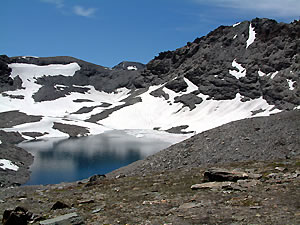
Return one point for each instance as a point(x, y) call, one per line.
point(249, 69)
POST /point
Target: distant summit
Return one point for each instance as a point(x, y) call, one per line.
point(125, 65)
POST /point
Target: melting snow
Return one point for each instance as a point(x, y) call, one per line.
point(207, 115)
point(251, 36)
point(261, 74)
point(241, 70)
point(191, 87)
point(234, 25)
point(131, 68)
point(291, 84)
point(25, 57)
point(271, 75)
point(274, 74)
point(7, 164)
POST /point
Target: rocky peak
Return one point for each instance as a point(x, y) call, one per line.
point(258, 58)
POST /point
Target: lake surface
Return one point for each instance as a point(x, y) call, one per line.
point(66, 160)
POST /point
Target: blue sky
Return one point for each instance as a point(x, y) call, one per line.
point(107, 32)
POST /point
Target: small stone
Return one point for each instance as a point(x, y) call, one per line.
point(59, 205)
point(86, 201)
point(189, 206)
point(97, 210)
point(281, 169)
point(255, 207)
point(272, 175)
point(120, 176)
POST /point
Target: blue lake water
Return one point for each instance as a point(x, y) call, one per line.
point(66, 160)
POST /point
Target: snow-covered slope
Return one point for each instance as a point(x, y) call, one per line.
point(223, 77)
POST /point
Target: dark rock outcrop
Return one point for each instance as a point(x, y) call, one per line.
point(207, 62)
point(19, 216)
point(71, 130)
point(59, 205)
point(13, 118)
point(189, 100)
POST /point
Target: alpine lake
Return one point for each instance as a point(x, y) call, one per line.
point(59, 160)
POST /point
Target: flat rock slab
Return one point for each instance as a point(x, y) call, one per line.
point(71, 218)
point(218, 174)
point(211, 185)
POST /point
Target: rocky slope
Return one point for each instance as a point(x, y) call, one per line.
point(249, 192)
point(255, 139)
point(243, 172)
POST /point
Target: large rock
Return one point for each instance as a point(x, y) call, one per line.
point(220, 175)
point(68, 219)
point(18, 216)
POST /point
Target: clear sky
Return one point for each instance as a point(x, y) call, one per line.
point(107, 32)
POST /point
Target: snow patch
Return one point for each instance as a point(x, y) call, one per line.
point(25, 57)
point(291, 84)
point(241, 70)
point(207, 115)
point(30, 71)
point(8, 165)
point(236, 24)
point(261, 74)
point(0, 142)
point(131, 68)
point(159, 135)
point(191, 86)
point(251, 36)
point(274, 74)
point(235, 36)
point(270, 75)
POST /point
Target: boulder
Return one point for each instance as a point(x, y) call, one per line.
point(220, 175)
point(67, 219)
point(97, 177)
point(59, 205)
point(18, 216)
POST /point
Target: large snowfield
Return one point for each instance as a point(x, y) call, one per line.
point(152, 112)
